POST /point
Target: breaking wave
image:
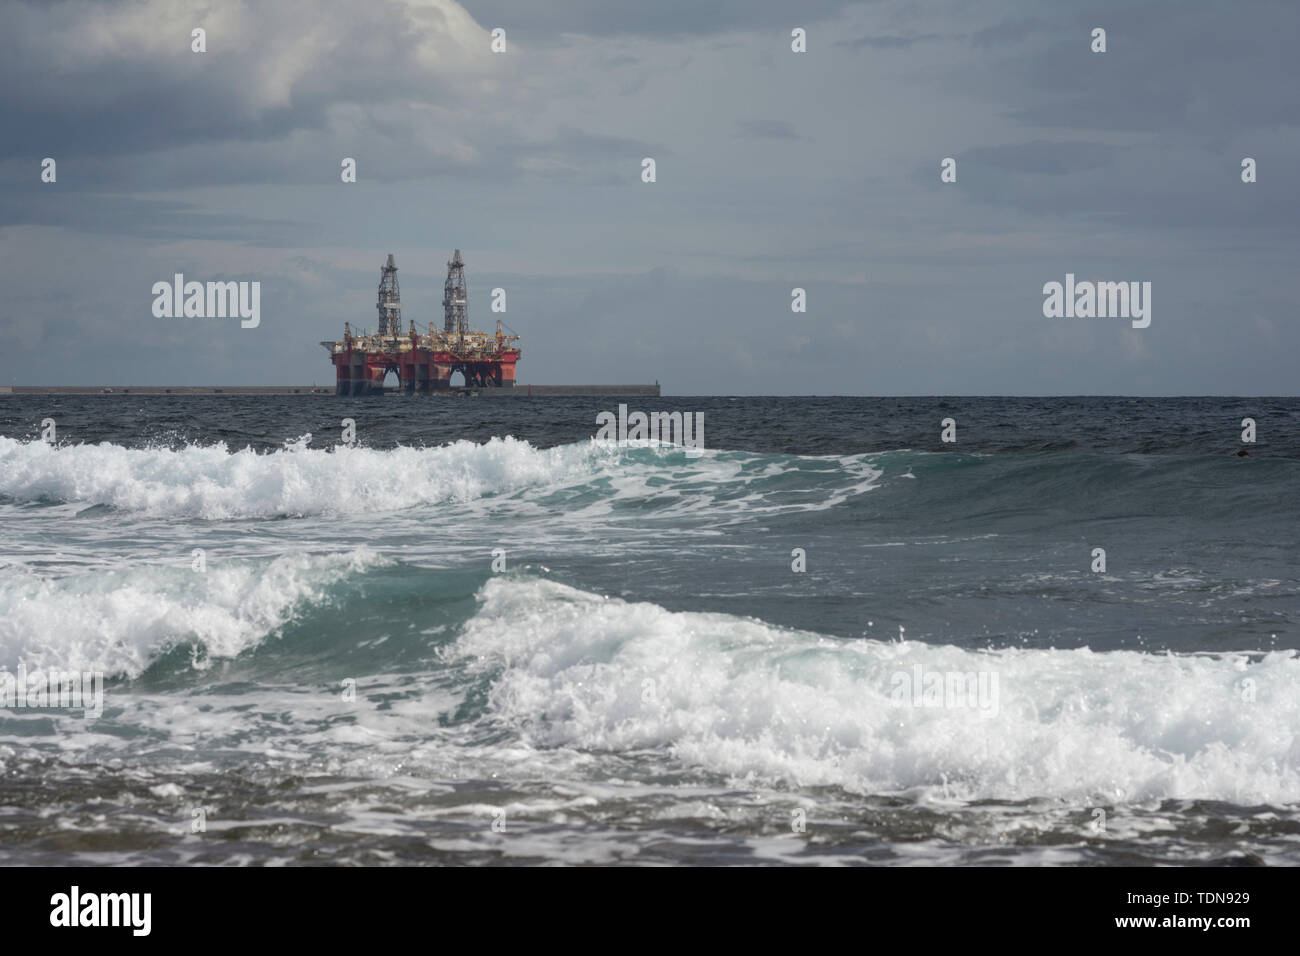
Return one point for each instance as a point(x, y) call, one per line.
point(212, 482)
point(118, 623)
point(571, 669)
point(565, 672)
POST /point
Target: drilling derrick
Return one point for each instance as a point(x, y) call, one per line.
point(390, 300)
point(424, 364)
point(455, 304)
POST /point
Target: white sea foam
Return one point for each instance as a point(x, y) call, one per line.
point(211, 482)
point(119, 622)
point(774, 706)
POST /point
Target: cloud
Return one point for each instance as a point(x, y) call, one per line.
point(120, 78)
point(1180, 68)
point(776, 169)
point(661, 18)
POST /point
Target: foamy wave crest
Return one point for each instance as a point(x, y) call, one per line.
point(118, 623)
point(742, 698)
point(212, 482)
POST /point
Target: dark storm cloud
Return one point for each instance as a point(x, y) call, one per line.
point(283, 92)
point(106, 79)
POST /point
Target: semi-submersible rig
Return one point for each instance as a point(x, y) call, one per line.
point(424, 363)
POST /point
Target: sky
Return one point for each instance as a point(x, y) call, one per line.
point(774, 170)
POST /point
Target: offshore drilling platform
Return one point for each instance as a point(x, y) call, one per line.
point(424, 364)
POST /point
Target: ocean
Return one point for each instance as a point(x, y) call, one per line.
point(478, 636)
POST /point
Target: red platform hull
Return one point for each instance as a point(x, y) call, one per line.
point(420, 371)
